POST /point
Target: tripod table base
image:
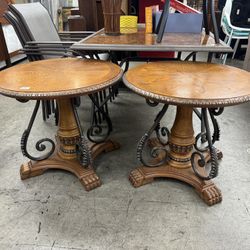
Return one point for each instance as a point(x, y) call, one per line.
point(207, 190)
point(87, 176)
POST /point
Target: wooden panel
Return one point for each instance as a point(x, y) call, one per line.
point(4, 55)
point(75, 11)
point(92, 11)
point(3, 7)
point(88, 11)
point(76, 23)
point(100, 18)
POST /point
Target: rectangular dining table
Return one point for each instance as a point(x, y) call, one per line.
point(137, 40)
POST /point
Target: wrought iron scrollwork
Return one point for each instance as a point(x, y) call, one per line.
point(216, 129)
point(82, 149)
point(152, 103)
point(199, 137)
point(162, 132)
point(85, 157)
point(98, 132)
point(40, 146)
point(155, 151)
point(191, 55)
point(198, 157)
point(215, 112)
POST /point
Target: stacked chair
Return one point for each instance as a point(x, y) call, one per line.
point(40, 39)
point(37, 32)
point(231, 31)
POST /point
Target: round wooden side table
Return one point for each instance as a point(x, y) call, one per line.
point(187, 85)
point(61, 79)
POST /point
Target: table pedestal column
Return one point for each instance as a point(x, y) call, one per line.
point(66, 155)
point(178, 166)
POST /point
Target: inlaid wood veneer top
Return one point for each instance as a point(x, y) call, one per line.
point(55, 78)
point(190, 83)
point(141, 41)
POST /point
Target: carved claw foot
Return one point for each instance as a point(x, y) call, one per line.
point(138, 178)
point(90, 181)
point(26, 171)
point(211, 194)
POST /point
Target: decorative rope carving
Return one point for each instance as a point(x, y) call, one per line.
point(82, 148)
point(201, 159)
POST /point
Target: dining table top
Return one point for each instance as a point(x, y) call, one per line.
point(196, 84)
point(135, 39)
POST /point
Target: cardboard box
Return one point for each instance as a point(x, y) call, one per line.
point(182, 22)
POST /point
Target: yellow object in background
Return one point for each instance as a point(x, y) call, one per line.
point(149, 19)
point(128, 21)
point(128, 24)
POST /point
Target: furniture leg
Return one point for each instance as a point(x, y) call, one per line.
point(4, 54)
point(205, 16)
point(246, 65)
point(229, 43)
point(236, 47)
point(214, 22)
point(178, 166)
point(68, 155)
point(163, 21)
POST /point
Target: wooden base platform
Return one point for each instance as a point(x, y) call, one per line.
point(86, 175)
point(66, 156)
point(178, 166)
point(207, 190)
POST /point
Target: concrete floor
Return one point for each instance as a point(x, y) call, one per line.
point(53, 211)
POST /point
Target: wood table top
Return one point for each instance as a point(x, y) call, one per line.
point(141, 41)
point(190, 83)
point(56, 78)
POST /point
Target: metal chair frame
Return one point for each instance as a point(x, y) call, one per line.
point(39, 50)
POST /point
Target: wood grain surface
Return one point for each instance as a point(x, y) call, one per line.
point(190, 83)
point(3, 7)
point(57, 78)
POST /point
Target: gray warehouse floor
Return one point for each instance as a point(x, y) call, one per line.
point(53, 211)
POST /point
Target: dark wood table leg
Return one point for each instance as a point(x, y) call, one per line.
point(65, 156)
point(181, 146)
point(4, 54)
